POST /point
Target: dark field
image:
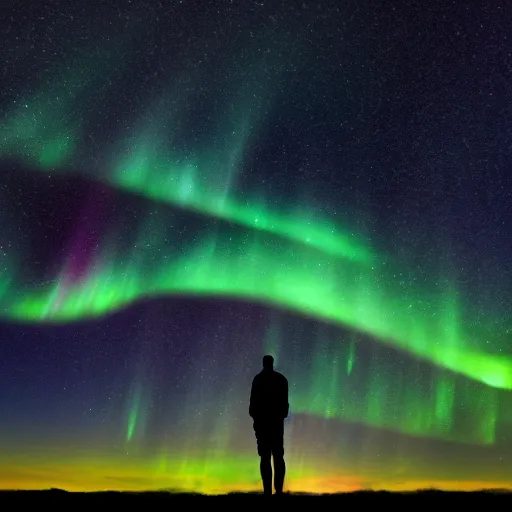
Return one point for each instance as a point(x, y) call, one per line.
point(164, 498)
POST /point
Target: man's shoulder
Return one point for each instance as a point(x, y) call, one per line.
point(264, 376)
point(258, 377)
point(280, 376)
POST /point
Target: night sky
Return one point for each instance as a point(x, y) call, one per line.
point(188, 185)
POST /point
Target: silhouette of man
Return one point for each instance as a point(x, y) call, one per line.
point(268, 408)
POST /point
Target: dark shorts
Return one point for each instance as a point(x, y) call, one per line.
point(269, 437)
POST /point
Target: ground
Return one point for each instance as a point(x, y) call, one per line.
point(111, 498)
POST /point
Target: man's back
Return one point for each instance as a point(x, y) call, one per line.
point(269, 396)
point(268, 408)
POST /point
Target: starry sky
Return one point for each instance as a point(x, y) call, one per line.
point(186, 186)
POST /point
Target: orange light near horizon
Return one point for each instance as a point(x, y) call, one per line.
point(113, 475)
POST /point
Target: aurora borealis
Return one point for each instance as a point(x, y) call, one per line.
point(185, 187)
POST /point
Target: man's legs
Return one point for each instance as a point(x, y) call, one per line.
point(263, 440)
point(266, 472)
point(279, 472)
point(278, 454)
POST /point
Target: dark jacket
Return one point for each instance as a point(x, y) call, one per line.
point(269, 396)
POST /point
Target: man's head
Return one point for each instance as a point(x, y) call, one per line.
point(268, 362)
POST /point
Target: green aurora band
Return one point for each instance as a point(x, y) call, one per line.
point(298, 260)
point(249, 266)
point(46, 129)
point(437, 405)
point(334, 379)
